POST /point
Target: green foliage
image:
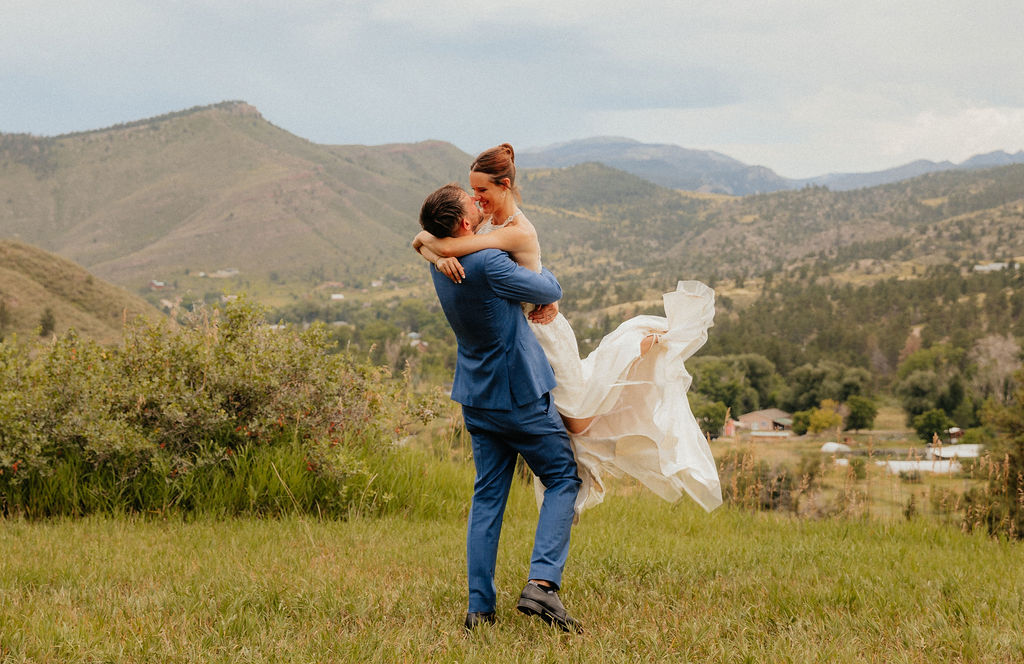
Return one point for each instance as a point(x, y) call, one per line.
point(932, 378)
point(47, 322)
point(710, 416)
point(825, 417)
point(862, 413)
point(810, 321)
point(743, 382)
point(383, 333)
point(978, 435)
point(801, 422)
point(999, 507)
point(941, 358)
point(919, 392)
point(810, 384)
point(179, 415)
point(931, 423)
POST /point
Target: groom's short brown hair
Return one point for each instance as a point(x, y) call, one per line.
point(442, 210)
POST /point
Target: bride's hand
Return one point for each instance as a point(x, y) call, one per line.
point(544, 313)
point(452, 268)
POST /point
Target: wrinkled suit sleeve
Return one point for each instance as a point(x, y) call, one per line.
point(514, 282)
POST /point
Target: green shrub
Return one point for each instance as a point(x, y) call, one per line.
point(801, 422)
point(931, 423)
point(219, 414)
point(863, 412)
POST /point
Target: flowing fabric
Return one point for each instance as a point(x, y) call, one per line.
point(643, 424)
point(644, 427)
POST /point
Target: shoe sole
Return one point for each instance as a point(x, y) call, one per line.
point(531, 608)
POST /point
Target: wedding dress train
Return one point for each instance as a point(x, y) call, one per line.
point(644, 427)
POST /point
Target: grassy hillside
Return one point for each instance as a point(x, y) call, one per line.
point(32, 281)
point(652, 583)
point(216, 187)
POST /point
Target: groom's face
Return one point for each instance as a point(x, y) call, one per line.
point(472, 213)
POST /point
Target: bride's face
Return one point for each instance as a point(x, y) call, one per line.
point(489, 196)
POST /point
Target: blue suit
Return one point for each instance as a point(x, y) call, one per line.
point(503, 381)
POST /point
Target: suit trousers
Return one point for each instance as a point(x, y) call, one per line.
point(535, 431)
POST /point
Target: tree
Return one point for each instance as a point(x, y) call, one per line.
point(862, 413)
point(996, 358)
point(717, 379)
point(931, 423)
point(825, 380)
point(801, 422)
point(825, 417)
point(1000, 506)
point(711, 417)
point(742, 382)
point(47, 322)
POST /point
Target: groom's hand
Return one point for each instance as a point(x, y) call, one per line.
point(544, 314)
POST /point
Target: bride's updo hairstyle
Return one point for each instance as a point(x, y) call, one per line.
point(498, 163)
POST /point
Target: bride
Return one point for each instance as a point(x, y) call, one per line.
point(625, 404)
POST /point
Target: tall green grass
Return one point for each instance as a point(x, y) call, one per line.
point(652, 582)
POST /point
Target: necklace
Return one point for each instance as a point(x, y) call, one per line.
point(511, 217)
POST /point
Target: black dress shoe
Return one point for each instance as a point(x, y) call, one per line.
point(476, 618)
point(538, 601)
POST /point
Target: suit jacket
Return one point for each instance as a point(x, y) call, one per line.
point(500, 364)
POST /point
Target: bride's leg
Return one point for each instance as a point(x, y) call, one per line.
point(648, 342)
point(576, 425)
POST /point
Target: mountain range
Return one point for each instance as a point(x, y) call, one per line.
point(218, 190)
point(708, 171)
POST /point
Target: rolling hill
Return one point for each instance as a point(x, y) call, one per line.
point(216, 187)
point(33, 281)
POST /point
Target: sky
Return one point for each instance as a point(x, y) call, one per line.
point(804, 88)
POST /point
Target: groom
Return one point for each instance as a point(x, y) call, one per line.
point(503, 381)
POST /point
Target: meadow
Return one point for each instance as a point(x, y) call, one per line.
point(652, 581)
point(215, 492)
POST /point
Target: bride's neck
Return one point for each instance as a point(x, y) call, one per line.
point(500, 216)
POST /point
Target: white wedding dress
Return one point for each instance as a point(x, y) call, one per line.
point(644, 427)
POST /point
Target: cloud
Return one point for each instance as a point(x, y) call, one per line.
point(834, 130)
point(802, 88)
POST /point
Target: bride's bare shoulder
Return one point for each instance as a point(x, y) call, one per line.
point(523, 225)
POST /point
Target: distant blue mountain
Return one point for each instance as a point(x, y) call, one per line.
point(704, 170)
point(667, 165)
point(847, 181)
